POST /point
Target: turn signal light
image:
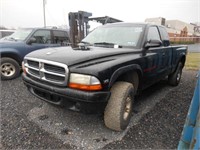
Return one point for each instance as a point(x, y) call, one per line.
point(85, 87)
point(23, 68)
point(84, 82)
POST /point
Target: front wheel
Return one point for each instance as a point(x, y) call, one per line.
point(9, 68)
point(119, 108)
point(174, 78)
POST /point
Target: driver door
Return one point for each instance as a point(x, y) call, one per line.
point(42, 40)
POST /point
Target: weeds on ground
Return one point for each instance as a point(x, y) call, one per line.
point(193, 61)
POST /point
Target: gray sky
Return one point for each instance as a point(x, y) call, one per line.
point(29, 13)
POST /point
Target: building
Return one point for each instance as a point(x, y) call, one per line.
point(178, 30)
point(196, 29)
point(157, 21)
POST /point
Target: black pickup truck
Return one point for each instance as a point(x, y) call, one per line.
point(109, 67)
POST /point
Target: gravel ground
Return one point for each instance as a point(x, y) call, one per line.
point(17, 132)
point(161, 128)
point(158, 127)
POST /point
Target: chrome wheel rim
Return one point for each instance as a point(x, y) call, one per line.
point(7, 69)
point(127, 108)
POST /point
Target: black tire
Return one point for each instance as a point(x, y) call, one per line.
point(119, 108)
point(9, 68)
point(174, 78)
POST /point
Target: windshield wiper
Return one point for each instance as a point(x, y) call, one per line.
point(108, 44)
point(11, 38)
point(86, 43)
point(105, 43)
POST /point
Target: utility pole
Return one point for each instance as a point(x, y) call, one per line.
point(44, 2)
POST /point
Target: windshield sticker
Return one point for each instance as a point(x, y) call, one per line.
point(138, 29)
point(116, 46)
point(131, 43)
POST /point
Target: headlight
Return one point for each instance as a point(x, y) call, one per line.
point(84, 82)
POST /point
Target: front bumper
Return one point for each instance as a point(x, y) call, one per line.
point(65, 96)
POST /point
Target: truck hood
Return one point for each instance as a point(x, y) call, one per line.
point(10, 44)
point(69, 56)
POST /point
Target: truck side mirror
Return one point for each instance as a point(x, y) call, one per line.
point(31, 40)
point(153, 43)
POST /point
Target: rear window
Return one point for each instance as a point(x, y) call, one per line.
point(61, 37)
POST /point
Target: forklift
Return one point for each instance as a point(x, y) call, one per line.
point(79, 27)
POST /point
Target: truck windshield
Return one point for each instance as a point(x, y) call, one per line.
point(117, 35)
point(20, 35)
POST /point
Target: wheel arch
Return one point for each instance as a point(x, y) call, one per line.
point(183, 59)
point(13, 56)
point(130, 73)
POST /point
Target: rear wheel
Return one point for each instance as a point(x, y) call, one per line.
point(9, 68)
point(119, 108)
point(174, 78)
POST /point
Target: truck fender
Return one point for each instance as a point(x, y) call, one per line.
point(11, 53)
point(182, 52)
point(117, 73)
point(182, 57)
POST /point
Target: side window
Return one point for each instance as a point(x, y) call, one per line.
point(164, 36)
point(61, 37)
point(153, 34)
point(42, 36)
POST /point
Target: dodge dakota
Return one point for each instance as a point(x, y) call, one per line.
point(106, 70)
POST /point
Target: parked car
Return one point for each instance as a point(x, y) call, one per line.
point(112, 63)
point(14, 47)
point(4, 33)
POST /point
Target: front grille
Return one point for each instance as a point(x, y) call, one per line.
point(34, 72)
point(53, 68)
point(33, 64)
point(53, 77)
point(45, 70)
